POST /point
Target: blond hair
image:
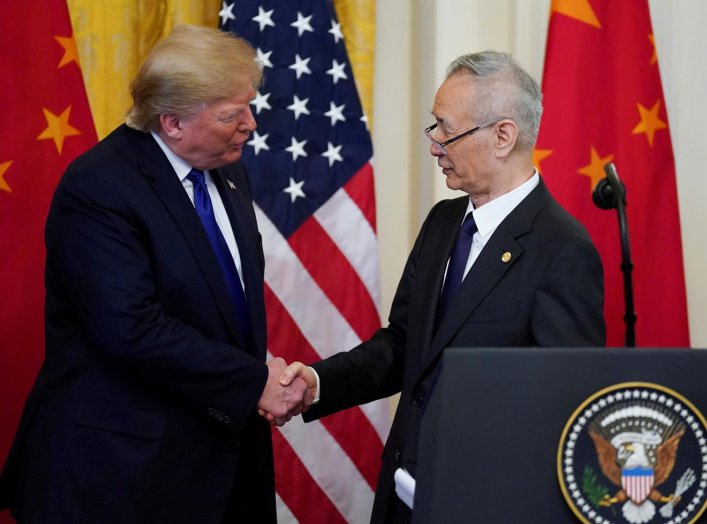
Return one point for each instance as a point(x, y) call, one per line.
point(191, 67)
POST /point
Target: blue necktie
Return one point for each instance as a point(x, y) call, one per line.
point(457, 263)
point(202, 203)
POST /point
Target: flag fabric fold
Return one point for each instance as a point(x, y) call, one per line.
point(604, 103)
point(309, 164)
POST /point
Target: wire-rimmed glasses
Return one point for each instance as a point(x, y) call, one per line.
point(442, 146)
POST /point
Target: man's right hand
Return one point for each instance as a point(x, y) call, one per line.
point(279, 402)
point(297, 370)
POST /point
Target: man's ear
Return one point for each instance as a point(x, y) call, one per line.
point(171, 125)
point(506, 137)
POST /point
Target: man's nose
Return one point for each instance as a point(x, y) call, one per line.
point(248, 123)
point(436, 149)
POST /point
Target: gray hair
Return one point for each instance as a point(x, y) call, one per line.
point(192, 67)
point(505, 90)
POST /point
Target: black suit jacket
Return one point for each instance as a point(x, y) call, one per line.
point(548, 293)
point(144, 409)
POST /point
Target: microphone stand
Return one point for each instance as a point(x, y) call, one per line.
point(610, 193)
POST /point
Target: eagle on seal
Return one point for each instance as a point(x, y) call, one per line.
point(637, 462)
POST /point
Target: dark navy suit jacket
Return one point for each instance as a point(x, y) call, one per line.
point(546, 291)
point(144, 409)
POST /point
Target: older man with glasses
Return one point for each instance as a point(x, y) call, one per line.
point(503, 265)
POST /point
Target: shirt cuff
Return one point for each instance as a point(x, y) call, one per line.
point(316, 397)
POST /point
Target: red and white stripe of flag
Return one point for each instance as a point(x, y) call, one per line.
point(322, 297)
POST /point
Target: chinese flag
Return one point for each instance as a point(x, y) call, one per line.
point(46, 124)
point(604, 103)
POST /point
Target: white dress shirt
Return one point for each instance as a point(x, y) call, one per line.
point(489, 216)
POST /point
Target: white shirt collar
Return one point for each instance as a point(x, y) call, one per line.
point(180, 166)
point(491, 214)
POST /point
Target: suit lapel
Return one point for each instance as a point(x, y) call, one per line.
point(488, 269)
point(154, 165)
point(439, 246)
point(238, 204)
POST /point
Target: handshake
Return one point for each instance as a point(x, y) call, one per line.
point(289, 391)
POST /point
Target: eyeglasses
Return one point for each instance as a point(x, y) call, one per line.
point(443, 145)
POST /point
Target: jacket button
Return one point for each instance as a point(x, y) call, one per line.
point(418, 400)
point(397, 456)
point(226, 419)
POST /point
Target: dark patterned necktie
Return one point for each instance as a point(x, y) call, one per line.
point(457, 264)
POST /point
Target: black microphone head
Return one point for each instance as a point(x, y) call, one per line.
point(603, 195)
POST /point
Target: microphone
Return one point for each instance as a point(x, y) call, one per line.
point(610, 193)
point(609, 189)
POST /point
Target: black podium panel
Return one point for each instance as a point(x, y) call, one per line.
point(491, 432)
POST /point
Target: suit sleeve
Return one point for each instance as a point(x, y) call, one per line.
point(369, 371)
point(373, 369)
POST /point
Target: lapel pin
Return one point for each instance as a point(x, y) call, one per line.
point(231, 184)
point(506, 257)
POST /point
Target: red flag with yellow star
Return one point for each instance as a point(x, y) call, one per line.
point(604, 103)
point(46, 123)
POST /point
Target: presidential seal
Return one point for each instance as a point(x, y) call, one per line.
point(635, 453)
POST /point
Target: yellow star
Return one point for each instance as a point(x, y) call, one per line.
point(58, 127)
point(650, 123)
point(578, 9)
point(71, 54)
point(654, 56)
point(4, 186)
point(539, 155)
point(595, 169)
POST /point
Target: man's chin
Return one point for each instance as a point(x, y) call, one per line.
point(234, 155)
point(452, 182)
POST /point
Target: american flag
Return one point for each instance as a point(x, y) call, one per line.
point(309, 163)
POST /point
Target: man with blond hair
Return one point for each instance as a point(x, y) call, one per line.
point(145, 409)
